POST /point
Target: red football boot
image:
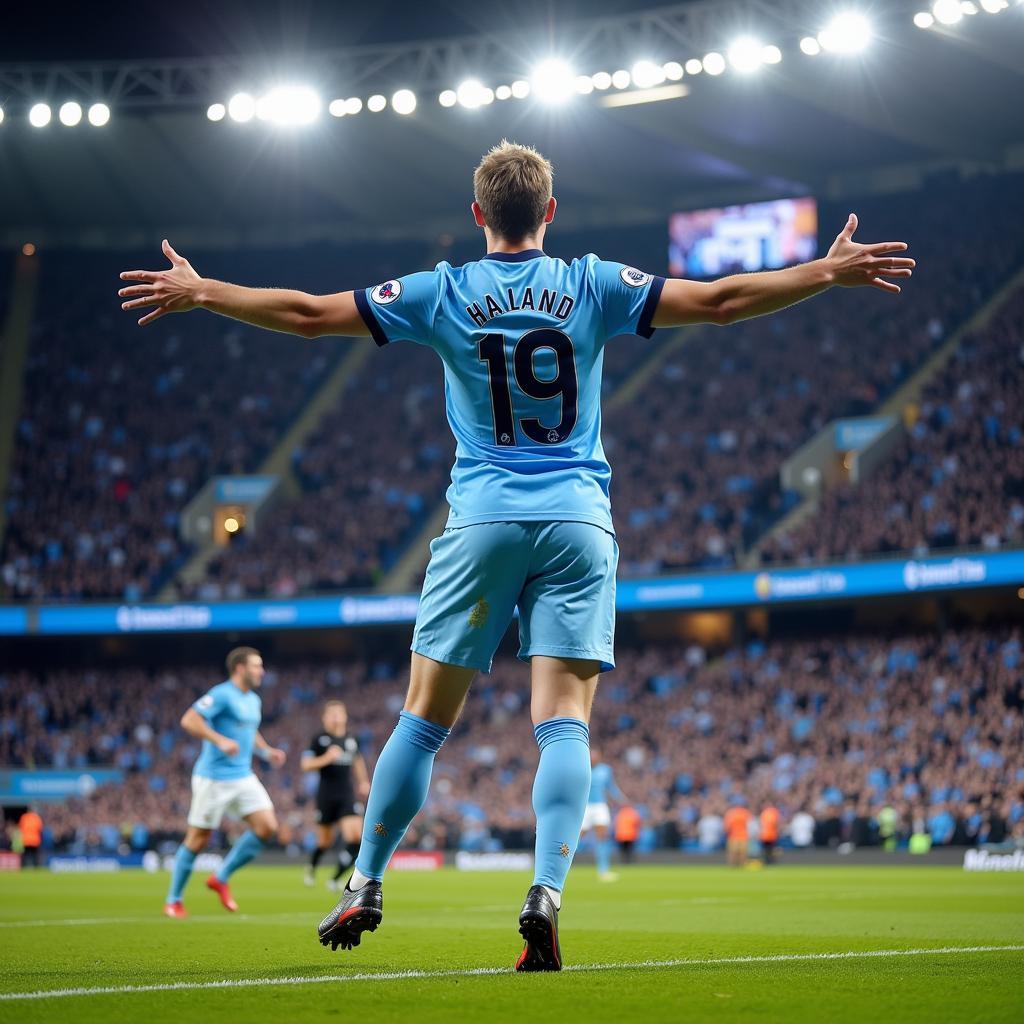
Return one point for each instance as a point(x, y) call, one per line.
point(175, 909)
point(223, 890)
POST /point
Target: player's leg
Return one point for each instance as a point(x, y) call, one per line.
point(324, 841)
point(603, 852)
point(351, 835)
point(562, 695)
point(262, 829)
point(204, 815)
point(401, 777)
point(566, 626)
point(473, 579)
point(563, 691)
point(252, 803)
point(196, 840)
point(401, 780)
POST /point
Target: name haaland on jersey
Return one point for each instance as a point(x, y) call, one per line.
point(521, 337)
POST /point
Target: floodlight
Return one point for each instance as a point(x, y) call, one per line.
point(948, 12)
point(241, 107)
point(714, 63)
point(647, 74)
point(289, 105)
point(39, 115)
point(70, 113)
point(404, 101)
point(553, 81)
point(745, 54)
point(848, 32)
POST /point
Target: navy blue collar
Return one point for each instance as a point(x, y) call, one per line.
point(515, 257)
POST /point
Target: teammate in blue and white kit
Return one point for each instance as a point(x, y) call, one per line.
point(227, 720)
point(521, 336)
point(598, 815)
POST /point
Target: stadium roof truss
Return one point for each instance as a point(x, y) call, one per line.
point(833, 125)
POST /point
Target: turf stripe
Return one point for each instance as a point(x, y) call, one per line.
point(189, 986)
point(155, 918)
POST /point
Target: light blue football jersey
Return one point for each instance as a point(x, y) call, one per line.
point(237, 715)
point(602, 782)
point(522, 338)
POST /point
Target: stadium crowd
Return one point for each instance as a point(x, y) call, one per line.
point(720, 415)
point(729, 407)
point(958, 479)
point(831, 730)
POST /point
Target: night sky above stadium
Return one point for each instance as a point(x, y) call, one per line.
point(66, 31)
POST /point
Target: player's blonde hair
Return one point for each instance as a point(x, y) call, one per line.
point(513, 184)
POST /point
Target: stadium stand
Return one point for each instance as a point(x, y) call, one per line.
point(958, 480)
point(721, 412)
point(130, 426)
point(730, 408)
point(837, 726)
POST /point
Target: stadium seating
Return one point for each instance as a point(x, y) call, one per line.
point(958, 480)
point(837, 726)
point(720, 414)
point(726, 411)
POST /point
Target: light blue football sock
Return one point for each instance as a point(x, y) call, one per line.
point(247, 846)
point(604, 856)
point(400, 783)
point(180, 874)
point(560, 793)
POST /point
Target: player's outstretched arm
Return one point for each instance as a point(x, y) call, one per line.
point(848, 264)
point(180, 288)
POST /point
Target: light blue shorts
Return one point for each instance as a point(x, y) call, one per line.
point(561, 575)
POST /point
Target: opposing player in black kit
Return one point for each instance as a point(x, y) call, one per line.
point(344, 783)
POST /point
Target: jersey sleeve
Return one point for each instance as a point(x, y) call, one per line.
point(628, 297)
point(402, 309)
point(210, 704)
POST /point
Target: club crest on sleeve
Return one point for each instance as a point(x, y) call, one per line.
point(205, 702)
point(633, 277)
point(386, 292)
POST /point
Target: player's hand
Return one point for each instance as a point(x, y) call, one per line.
point(854, 265)
point(335, 753)
point(228, 747)
point(364, 791)
point(277, 757)
point(171, 291)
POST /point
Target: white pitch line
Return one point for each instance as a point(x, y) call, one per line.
point(188, 986)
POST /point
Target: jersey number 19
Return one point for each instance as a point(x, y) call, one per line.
point(564, 385)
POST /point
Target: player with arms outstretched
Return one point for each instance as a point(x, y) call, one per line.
point(227, 720)
point(344, 783)
point(521, 336)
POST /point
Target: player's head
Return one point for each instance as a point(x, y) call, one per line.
point(512, 193)
point(335, 717)
point(245, 666)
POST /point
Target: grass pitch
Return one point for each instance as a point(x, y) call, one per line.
point(662, 944)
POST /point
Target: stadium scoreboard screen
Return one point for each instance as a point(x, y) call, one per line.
point(733, 239)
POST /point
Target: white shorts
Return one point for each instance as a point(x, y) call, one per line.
point(596, 814)
point(213, 798)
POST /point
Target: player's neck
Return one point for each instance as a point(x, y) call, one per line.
point(240, 683)
point(496, 244)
